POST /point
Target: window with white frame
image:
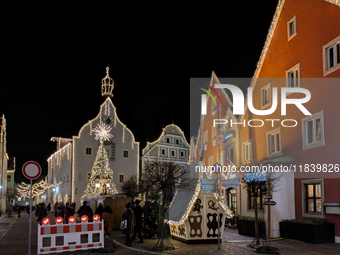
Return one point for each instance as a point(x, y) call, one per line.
point(313, 131)
point(177, 141)
point(182, 153)
point(168, 139)
point(213, 105)
point(163, 152)
point(312, 198)
point(266, 97)
point(213, 132)
point(173, 153)
point(331, 56)
point(291, 28)
point(230, 154)
point(211, 160)
point(205, 136)
point(247, 151)
point(274, 142)
point(293, 76)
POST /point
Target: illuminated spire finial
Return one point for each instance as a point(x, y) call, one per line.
point(107, 85)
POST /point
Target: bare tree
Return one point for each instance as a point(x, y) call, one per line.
point(258, 184)
point(131, 187)
point(164, 176)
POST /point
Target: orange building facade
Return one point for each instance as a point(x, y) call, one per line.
point(301, 51)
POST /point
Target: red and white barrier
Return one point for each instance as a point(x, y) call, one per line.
point(70, 237)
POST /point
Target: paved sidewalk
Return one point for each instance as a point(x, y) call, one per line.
point(14, 240)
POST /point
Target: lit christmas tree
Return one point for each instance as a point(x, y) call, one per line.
point(101, 180)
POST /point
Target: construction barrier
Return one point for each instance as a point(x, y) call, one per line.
point(70, 237)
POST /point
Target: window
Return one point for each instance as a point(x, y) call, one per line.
point(213, 105)
point(312, 198)
point(331, 56)
point(173, 153)
point(88, 150)
point(293, 76)
point(107, 152)
point(121, 178)
point(247, 151)
point(291, 28)
point(163, 152)
point(177, 141)
point(211, 160)
point(168, 139)
point(230, 154)
point(231, 199)
point(266, 97)
point(274, 142)
point(8, 178)
point(182, 153)
point(313, 131)
point(125, 153)
point(205, 136)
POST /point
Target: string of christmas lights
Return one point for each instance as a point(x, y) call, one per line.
point(39, 188)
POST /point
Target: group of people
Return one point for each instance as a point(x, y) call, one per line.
point(133, 217)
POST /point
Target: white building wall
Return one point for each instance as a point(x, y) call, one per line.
point(59, 170)
point(285, 204)
point(123, 140)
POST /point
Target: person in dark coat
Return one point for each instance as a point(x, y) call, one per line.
point(69, 211)
point(86, 210)
point(99, 210)
point(82, 207)
point(41, 213)
point(138, 211)
point(108, 219)
point(130, 217)
point(19, 211)
point(59, 211)
point(49, 208)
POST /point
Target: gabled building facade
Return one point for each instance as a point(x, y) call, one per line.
point(301, 51)
point(74, 158)
point(171, 145)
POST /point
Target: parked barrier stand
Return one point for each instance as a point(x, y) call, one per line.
point(70, 237)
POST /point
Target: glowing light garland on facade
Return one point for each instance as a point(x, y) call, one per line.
point(336, 2)
point(37, 188)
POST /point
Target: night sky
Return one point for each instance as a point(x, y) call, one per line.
point(51, 66)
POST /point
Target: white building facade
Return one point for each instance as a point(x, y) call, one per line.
point(171, 145)
point(73, 162)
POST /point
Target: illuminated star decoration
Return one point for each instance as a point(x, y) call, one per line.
point(102, 132)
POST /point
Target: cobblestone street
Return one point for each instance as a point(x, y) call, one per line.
point(14, 240)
